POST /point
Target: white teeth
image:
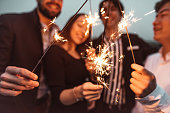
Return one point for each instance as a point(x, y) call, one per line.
point(53, 6)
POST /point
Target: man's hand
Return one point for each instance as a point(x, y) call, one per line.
point(143, 82)
point(14, 80)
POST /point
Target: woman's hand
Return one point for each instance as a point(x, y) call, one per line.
point(88, 91)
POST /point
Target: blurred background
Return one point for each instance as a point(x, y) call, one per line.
point(143, 27)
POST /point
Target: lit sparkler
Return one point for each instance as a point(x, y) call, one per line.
point(58, 38)
point(92, 19)
point(126, 21)
point(102, 62)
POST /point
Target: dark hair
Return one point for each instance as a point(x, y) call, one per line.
point(115, 2)
point(66, 32)
point(159, 4)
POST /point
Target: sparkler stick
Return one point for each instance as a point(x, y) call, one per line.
point(74, 15)
point(127, 34)
point(39, 61)
point(130, 45)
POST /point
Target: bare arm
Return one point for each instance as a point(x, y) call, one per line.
point(87, 91)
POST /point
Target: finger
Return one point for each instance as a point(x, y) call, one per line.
point(92, 97)
point(22, 72)
point(139, 76)
point(19, 80)
point(8, 92)
point(91, 87)
point(136, 90)
point(139, 84)
point(85, 93)
point(12, 86)
point(142, 70)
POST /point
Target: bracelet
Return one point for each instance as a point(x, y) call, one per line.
point(75, 96)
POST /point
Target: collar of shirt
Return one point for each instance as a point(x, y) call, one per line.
point(107, 42)
point(167, 56)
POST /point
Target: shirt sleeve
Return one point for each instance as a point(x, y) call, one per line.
point(6, 42)
point(157, 101)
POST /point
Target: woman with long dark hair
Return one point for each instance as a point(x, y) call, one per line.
point(66, 73)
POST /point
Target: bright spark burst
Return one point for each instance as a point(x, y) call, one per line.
point(102, 62)
point(58, 38)
point(91, 21)
point(126, 21)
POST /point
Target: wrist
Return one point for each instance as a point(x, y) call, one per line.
point(77, 94)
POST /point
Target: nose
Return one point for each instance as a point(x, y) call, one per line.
point(156, 21)
point(84, 29)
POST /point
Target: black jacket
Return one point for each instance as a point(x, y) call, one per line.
point(20, 45)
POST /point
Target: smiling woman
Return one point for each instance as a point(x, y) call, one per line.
point(65, 70)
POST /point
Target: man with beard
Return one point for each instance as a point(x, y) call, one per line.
point(22, 42)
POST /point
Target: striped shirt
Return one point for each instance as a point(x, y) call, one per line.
point(115, 94)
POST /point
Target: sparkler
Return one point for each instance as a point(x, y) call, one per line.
point(126, 21)
point(102, 62)
point(149, 12)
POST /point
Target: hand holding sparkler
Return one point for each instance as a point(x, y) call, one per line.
point(143, 82)
point(14, 80)
point(88, 91)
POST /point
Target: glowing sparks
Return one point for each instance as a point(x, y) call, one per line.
point(101, 80)
point(102, 61)
point(126, 21)
point(102, 11)
point(51, 22)
point(58, 38)
point(117, 95)
point(149, 12)
point(121, 57)
point(93, 19)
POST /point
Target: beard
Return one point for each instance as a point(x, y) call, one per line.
point(47, 13)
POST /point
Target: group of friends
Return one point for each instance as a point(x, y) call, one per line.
point(63, 82)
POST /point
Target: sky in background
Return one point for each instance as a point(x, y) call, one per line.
point(143, 27)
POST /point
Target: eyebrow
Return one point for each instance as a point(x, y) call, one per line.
point(163, 11)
